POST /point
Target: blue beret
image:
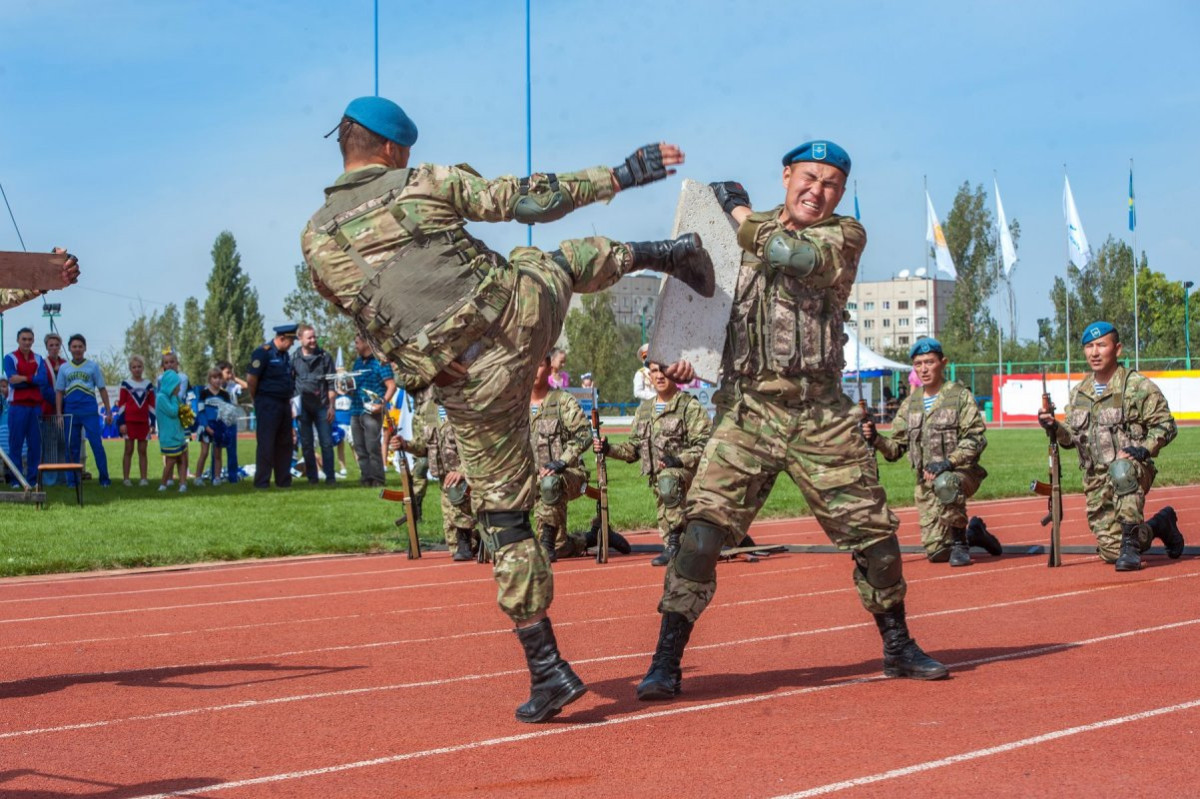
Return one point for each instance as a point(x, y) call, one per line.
point(926, 345)
point(823, 152)
point(1096, 330)
point(383, 117)
point(285, 330)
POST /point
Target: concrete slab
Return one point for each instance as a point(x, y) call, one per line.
point(688, 326)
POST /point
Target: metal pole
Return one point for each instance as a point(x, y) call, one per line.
point(528, 114)
point(1187, 327)
point(376, 48)
point(1067, 304)
point(1137, 335)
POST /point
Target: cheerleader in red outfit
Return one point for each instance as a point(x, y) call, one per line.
point(135, 411)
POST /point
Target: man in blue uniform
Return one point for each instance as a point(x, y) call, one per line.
point(272, 384)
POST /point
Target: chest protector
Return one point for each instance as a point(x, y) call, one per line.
point(426, 297)
point(666, 435)
point(548, 433)
point(783, 324)
point(1100, 427)
point(934, 436)
point(443, 448)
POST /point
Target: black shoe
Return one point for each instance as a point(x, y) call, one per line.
point(462, 545)
point(747, 541)
point(665, 678)
point(549, 534)
point(940, 556)
point(960, 550)
point(683, 258)
point(669, 551)
point(978, 536)
point(615, 541)
point(901, 655)
point(1165, 525)
point(552, 683)
point(1130, 558)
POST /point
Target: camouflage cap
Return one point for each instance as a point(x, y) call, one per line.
point(383, 117)
point(823, 152)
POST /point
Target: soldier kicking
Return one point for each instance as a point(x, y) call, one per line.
point(389, 248)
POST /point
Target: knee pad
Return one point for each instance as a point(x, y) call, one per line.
point(880, 563)
point(1123, 474)
point(947, 487)
point(552, 489)
point(670, 490)
point(457, 493)
point(699, 550)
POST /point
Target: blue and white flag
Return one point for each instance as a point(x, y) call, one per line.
point(1132, 209)
point(1078, 251)
point(937, 240)
point(1008, 251)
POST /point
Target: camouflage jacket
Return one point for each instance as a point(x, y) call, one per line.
point(559, 431)
point(952, 430)
point(681, 429)
point(1132, 411)
point(11, 298)
point(434, 438)
point(782, 326)
point(405, 220)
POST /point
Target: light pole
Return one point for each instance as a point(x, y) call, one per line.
point(1187, 327)
point(645, 308)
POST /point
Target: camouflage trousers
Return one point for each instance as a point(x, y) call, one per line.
point(1106, 511)
point(489, 408)
point(420, 479)
point(818, 444)
point(671, 518)
point(455, 518)
point(566, 544)
point(936, 519)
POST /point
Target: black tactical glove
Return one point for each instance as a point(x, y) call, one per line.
point(937, 467)
point(672, 462)
point(1048, 423)
point(558, 467)
point(730, 194)
point(644, 166)
point(1139, 454)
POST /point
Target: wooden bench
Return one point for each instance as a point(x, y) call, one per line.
point(62, 468)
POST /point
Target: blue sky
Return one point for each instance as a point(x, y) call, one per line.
point(136, 131)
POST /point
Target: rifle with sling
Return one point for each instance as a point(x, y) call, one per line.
point(602, 482)
point(405, 494)
point(1052, 490)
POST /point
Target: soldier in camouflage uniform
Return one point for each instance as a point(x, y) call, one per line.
point(434, 442)
point(1118, 420)
point(668, 437)
point(389, 248)
point(941, 430)
point(559, 435)
point(11, 298)
point(786, 412)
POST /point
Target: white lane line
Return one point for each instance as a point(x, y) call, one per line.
point(252, 703)
point(673, 711)
point(1000, 749)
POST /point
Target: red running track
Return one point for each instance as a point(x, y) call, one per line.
point(380, 676)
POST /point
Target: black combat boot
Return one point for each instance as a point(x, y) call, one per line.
point(960, 550)
point(670, 550)
point(747, 541)
point(683, 258)
point(939, 556)
point(901, 655)
point(978, 536)
point(615, 540)
point(665, 677)
point(552, 683)
point(462, 544)
point(549, 534)
point(1165, 525)
point(1130, 558)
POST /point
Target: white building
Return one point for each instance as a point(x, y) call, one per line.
point(897, 312)
point(633, 299)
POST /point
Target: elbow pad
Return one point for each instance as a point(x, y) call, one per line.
point(544, 206)
point(791, 254)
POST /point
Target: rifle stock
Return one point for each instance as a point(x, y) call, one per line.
point(602, 499)
point(405, 495)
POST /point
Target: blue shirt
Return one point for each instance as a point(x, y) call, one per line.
point(273, 369)
point(78, 383)
point(371, 379)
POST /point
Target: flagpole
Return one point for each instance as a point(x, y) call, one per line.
point(528, 115)
point(1137, 336)
point(1067, 303)
point(925, 181)
point(999, 327)
point(857, 312)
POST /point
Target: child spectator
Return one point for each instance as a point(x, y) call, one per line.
point(171, 439)
point(234, 386)
point(170, 361)
point(75, 388)
point(212, 429)
point(341, 428)
point(135, 411)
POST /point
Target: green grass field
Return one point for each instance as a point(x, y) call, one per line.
point(129, 527)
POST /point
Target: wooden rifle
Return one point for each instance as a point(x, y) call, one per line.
point(1052, 490)
point(405, 494)
point(602, 481)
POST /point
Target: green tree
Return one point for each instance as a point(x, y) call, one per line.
point(233, 325)
point(970, 331)
point(166, 330)
point(599, 345)
point(303, 304)
point(139, 340)
point(115, 368)
point(193, 353)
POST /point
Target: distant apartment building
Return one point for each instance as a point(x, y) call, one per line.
point(633, 299)
point(897, 312)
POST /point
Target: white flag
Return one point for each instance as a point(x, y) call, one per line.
point(937, 240)
point(1078, 250)
point(1008, 252)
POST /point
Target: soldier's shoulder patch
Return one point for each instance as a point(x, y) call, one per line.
point(256, 363)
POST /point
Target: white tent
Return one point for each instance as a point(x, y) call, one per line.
point(860, 357)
